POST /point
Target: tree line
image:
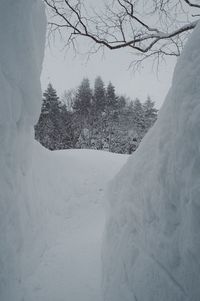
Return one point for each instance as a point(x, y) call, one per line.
point(94, 118)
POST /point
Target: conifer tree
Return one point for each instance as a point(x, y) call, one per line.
point(54, 128)
point(46, 130)
point(111, 98)
point(150, 113)
point(83, 99)
point(99, 98)
point(83, 110)
point(97, 119)
point(139, 122)
point(111, 114)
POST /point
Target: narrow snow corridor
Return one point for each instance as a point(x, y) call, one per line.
point(72, 185)
point(70, 268)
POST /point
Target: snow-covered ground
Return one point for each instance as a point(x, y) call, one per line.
point(71, 186)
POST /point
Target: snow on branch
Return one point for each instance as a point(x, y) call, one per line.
point(151, 28)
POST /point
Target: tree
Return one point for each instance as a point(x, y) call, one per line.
point(149, 28)
point(111, 113)
point(51, 101)
point(46, 129)
point(98, 113)
point(55, 129)
point(99, 99)
point(68, 99)
point(83, 99)
point(68, 129)
point(139, 119)
point(150, 113)
point(121, 102)
point(132, 121)
point(111, 98)
point(82, 109)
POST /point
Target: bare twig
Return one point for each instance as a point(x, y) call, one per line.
point(122, 26)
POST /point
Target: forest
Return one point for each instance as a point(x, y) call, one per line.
point(93, 118)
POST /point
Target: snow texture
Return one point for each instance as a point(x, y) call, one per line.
point(152, 241)
point(70, 185)
point(22, 35)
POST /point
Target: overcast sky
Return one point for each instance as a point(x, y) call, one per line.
point(65, 71)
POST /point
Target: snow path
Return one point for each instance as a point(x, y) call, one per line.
point(70, 269)
point(70, 266)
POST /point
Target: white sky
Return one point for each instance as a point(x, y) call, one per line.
point(65, 71)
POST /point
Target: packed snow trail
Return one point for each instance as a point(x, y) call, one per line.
point(71, 185)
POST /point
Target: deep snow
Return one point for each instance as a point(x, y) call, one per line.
point(152, 243)
point(51, 204)
point(71, 186)
point(22, 36)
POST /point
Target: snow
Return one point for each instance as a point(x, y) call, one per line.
point(52, 205)
point(152, 241)
point(22, 35)
point(71, 186)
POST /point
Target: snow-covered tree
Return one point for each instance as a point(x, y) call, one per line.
point(98, 119)
point(46, 130)
point(138, 117)
point(54, 129)
point(111, 98)
point(68, 98)
point(83, 99)
point(150, 113)
point(99, 97)
point(83, 110)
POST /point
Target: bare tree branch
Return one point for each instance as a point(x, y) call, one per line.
point(156, 28)
point(192, 4)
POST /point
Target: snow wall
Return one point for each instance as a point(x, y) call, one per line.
point(152, 242)
point(22, 36)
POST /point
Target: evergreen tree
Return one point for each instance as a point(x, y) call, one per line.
point(121, 103)
point(46, 131)
point(139, 122)
point(96, 119)
point(150, 113)
point(67, 129)
point(98, 113)
point(54, 127)
point(110, 117)
point(99, 98)
point(111, 98)
point(83, 110)
point(83, 99)
point(50, 103)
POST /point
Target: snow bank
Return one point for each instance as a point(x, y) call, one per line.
point(152, 240)
point(22, 35)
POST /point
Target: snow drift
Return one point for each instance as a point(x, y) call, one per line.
point(22, 35)
point(152, 240)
